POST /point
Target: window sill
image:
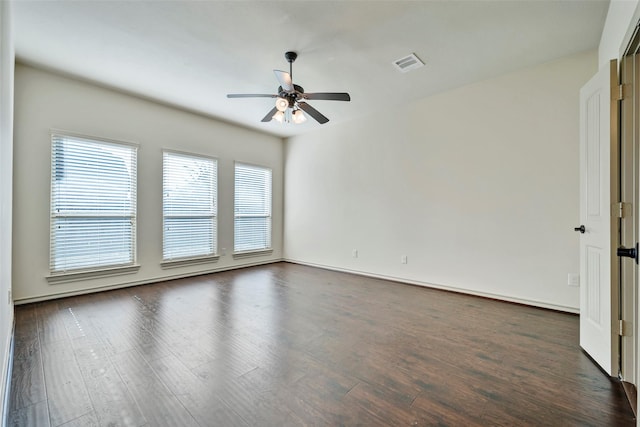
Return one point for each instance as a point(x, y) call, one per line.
point(75, 276)
point(182, 262)
point(249, 254)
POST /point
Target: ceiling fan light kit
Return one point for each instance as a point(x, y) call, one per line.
point(278, 116)
point(299, 117)
point(282, 104)
point(291, 99)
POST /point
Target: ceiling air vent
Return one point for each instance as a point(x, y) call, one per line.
point(408, 63)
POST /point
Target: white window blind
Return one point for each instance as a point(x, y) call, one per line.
point(93, 203)
point(189, 206)
point(252, 225)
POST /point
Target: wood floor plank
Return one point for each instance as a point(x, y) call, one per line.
point(32, 415)
point(27, 377)
point(449, 401)
point(177, 377)
point(209, 410)
point(157, 403)
point(289, 345)
point(27, 381)
point(86, 420)
point(26, 316)
point(50, 325)
point(387, 406)
point(66, 391)
point(254, 407)
point(112, 402)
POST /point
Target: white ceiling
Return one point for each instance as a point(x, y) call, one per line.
point(192, 53)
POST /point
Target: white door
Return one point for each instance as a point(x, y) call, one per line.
point(598, 280)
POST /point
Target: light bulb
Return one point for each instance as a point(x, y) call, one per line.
point(278, 116)
point(282, 104)
point(299, 117)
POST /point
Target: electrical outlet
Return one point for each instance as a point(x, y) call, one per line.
point(573, 279)
point(10, 300)
point(224, 251)
point(403, 259)
point(354, 253)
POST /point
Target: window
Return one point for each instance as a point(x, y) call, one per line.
point(252, 225)
point(93, 203)
point(189, 206)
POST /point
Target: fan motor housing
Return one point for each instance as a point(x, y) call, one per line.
point(291, 96)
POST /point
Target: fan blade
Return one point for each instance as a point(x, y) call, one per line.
point(284, 79)
point(328, 96)
point(317, 115)
point(269, 115)
point(250, 95)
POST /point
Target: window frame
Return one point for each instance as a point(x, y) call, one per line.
point(192, 259)
point(256, 251)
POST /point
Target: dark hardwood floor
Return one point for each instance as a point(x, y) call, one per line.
point(285, 344)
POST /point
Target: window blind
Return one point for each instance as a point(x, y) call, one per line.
point(93, 203)
point(189, 206)
point(252, 225)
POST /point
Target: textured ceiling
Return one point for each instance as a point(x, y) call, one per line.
point(192, 53)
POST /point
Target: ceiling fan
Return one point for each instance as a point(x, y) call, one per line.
point(291, 100)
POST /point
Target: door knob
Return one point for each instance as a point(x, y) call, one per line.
point(628, 252)
point(580, 229)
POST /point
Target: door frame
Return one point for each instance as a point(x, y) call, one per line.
point(628, 235)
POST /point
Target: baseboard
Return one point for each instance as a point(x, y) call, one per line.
point(534, 303)
point(21, 301)
point(6, 383)
point(632, 396)
point(523, 301)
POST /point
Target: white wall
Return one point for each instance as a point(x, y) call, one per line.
point(6, 169)
point(477, 186)
point(622, 18)
point(45, 101)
